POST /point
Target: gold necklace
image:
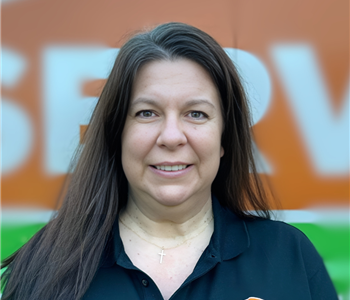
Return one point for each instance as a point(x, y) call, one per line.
point(162, 247)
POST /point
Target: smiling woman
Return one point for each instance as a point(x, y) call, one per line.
point(171, 150)
point(158, 204)
point(180, 125)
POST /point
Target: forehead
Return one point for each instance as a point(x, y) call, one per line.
point(180, 79)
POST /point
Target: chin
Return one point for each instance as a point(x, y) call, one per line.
point(172, 197)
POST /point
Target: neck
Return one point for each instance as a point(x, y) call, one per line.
point(168, 223)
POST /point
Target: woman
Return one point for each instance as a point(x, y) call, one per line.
point(157, 205)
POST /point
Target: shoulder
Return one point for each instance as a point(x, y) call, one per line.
point(273, 231)
point(270, 229)
point(266, 244)
point(288, 250)
point(277, 234)
point(283, 242)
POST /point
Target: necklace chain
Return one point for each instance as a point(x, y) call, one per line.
point(162, 247)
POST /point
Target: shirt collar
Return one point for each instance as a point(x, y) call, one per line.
point(230, 238)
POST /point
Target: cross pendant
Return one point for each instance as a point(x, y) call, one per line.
point(161, 256)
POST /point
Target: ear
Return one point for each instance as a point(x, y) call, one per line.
point(222, 152)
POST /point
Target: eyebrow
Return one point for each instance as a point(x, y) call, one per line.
point(187, 104)
point(143, 100)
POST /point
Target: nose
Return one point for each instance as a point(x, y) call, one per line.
point(172, 134)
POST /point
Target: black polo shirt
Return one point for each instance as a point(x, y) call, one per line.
point(245, 259)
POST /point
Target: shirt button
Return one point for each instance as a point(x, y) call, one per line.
point(144, 282)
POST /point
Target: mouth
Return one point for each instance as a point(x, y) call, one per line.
point(171, 168)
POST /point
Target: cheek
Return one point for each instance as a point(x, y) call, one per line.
point(136, 143)
point(131, 157)
point(207, 145)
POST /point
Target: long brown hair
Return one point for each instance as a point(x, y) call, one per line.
point(60, 261)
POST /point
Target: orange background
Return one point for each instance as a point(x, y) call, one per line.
point(253, 26)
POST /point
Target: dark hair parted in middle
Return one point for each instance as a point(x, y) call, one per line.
point(237, 184)
point(73, 241)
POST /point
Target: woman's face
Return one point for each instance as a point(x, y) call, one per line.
point(171, 142)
